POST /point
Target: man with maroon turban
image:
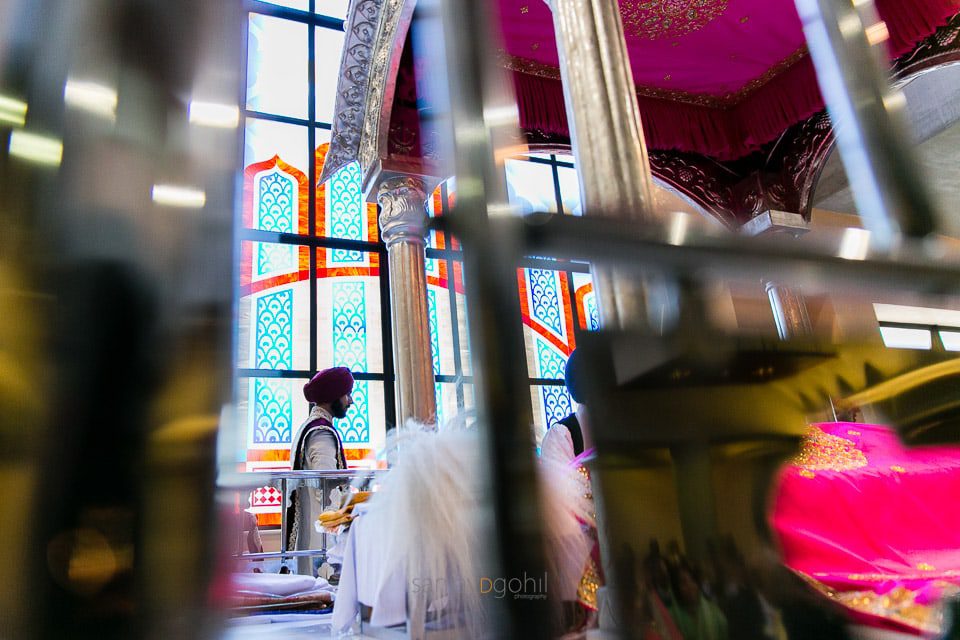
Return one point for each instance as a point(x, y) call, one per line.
point(316, 446)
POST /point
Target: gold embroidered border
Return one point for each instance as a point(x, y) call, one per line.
point(725, 101)
point(898, 604)
point(883, 577)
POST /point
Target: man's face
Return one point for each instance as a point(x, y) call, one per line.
point(340, 406)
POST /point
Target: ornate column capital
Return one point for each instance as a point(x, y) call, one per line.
point(403, 214)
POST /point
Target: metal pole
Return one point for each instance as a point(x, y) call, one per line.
point(847, 43)
point(789, 311)
point(607, 137)
point(484, 120)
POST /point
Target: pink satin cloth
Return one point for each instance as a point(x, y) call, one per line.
point(872, 524)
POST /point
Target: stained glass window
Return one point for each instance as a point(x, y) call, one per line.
point(300, 5)
point(274, 312)
point(277, 66)
point(311, 292)
point(548, 332)
point(272, 408)
point(556, 299)
point(265, 140)
point(329, 45)
point(585, 302)
point(531, 186)
point(446, 309)
point(569, 190)
point(333, 8)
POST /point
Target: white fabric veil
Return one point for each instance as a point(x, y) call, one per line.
point(432, 510)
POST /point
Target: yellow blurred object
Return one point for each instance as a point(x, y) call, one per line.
point(331, 520)
point(360, 496)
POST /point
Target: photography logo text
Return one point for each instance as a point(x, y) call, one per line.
point(525, 587)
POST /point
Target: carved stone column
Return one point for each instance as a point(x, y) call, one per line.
point(605, 132)
point(788, 305)
point(403, 226)
point(789, 311)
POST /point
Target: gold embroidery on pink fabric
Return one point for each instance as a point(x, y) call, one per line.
point(821, 451)
point(656, 19)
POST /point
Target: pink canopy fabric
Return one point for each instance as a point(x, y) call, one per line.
point(718, 77)
point(872, 524)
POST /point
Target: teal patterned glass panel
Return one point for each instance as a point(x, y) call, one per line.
point(434, 328)
point(349, 330)
point(350, 350)
point(276, 202)
point(350, 325)
point(273, 259)
point(273, 315)
point(355, 428)
point(546, 307)
point(346, 214)
point(273, 413)
point(275, 330)
point(269, 409)
point(550, 362)
point(364, 426)
point(277, 66)
point(441, 412)
point(556, 403)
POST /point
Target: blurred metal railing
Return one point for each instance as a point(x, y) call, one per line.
point(327, 480)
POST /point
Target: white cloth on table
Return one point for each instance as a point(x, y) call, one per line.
point(278, 584)
point(368, 577)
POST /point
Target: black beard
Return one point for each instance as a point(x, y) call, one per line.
point(338, 409)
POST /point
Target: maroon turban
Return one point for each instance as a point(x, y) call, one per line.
point(328, 385)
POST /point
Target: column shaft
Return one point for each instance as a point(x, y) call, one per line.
point(607, 138)
point(789, 311)
point(412, 349)
point(403, 221)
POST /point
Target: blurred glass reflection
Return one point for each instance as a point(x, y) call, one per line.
point(114, 313)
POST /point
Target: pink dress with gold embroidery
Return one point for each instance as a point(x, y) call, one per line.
point(872, 524)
